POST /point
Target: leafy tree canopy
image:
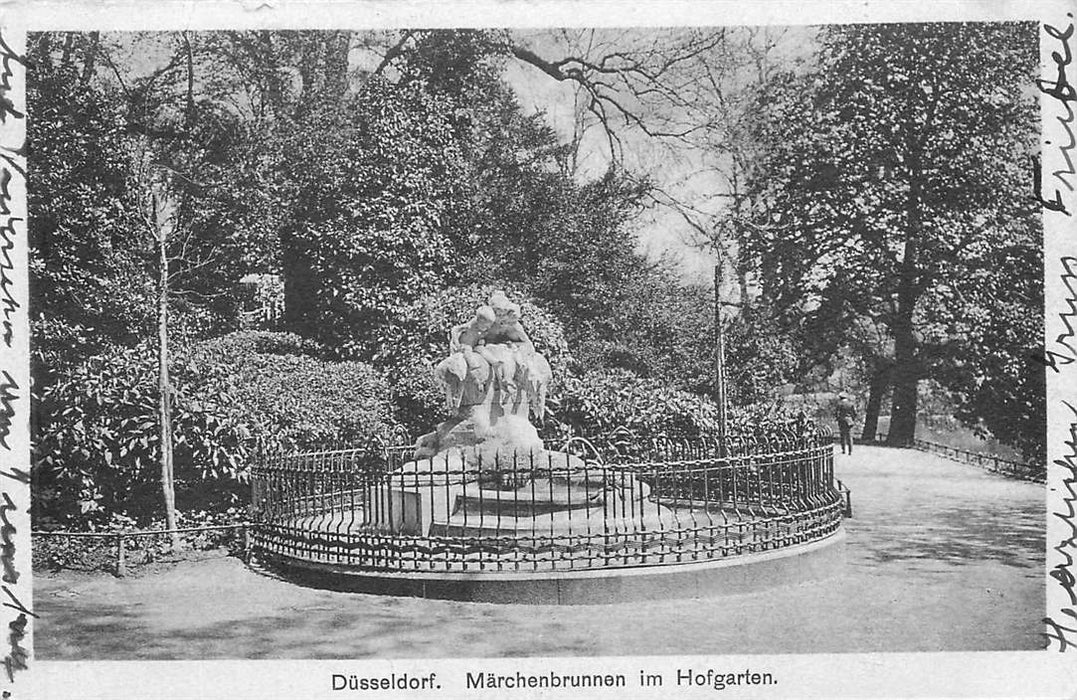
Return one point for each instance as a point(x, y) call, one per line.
point(911, 179)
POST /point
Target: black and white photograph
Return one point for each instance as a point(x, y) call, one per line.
point(542, 358)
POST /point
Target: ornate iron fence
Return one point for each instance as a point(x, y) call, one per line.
point(592, 504)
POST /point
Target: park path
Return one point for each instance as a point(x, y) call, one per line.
point(940, 556)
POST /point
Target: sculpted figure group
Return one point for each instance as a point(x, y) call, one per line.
point(493, 378)
point(491, 354)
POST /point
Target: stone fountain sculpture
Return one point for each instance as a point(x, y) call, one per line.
point(487, 451)
point(493, 379)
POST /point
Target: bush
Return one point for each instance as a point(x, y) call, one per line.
point(602, 402)
point(418, 398)
point(79, 553)
point(245, 343)
point(758, 357)
point(96, 451)
point(97, 447)
point(659, 329)
point(289, 401)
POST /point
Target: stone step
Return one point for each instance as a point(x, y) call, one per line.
point(504, 525)
point(574, 522)
point(533, 498)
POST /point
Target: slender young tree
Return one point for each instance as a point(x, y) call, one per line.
point(158, 213)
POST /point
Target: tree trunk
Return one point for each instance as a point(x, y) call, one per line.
point(719, 361)
point(89, 60)
point(164, 385)
point(300, 310)
point(880, 381)
point(906, 384)
point(906, 356)
point(188, 110)
point(323, 70)
point(69, 48)
point(274, 83)
point(336, 65)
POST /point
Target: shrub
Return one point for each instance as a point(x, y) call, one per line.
point(380, 204)
point(79, 553)
point(418, 398)
point(602, 402)
point(245, 343)
point(758, 358)
point(97, 439)
point(293, 402)
point(97, 448)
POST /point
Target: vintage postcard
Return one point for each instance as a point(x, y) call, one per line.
point(537, 349)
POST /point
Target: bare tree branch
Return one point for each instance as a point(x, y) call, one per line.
point(395, 51)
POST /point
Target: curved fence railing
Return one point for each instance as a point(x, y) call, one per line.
point(592, 504)
point(991, 462)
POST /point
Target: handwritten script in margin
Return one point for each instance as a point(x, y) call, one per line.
point(1062, 628)
point(16, 655)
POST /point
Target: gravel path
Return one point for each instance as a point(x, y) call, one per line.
point(941, 556)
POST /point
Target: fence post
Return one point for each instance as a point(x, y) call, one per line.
point(246, 544)
point(121, 557)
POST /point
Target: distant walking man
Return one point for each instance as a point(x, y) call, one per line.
point(845, 412)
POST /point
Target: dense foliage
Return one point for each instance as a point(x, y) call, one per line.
point(85, 256)
point(98, 440)
point(375, 215)
point(602, 403)
point(289, 400)
point(388, 182)
point(899, 207)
